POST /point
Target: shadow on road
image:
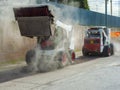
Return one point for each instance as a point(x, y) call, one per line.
point(83, 59)
point(20, 72)
point(15, 73)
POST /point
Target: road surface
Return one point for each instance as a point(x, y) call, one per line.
point(90, 73)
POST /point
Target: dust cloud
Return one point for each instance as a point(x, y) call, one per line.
point(43, 62)
point(65, 14)
point(10, 35)
point(51, 59)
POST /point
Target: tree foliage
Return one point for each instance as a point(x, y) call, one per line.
point(76, 3)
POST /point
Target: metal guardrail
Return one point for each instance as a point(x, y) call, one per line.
point(85, 17)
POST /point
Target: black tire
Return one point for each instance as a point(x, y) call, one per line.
point(106, 51)
point(112, 49)
point(29, 56)
point(72, 55)
point(84, 52)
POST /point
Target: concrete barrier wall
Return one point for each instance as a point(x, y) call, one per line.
point(79, 32)
point(12, 44)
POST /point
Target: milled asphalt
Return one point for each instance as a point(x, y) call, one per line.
point(95, 73)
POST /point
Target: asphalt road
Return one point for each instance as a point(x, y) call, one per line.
point(90, 73)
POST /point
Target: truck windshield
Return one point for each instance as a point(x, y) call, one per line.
point(93, 33)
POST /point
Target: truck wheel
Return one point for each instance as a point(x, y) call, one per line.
point(112, 49)
point(29, 56)
point(84, 52)
point(106, 51)
point(72, 56)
